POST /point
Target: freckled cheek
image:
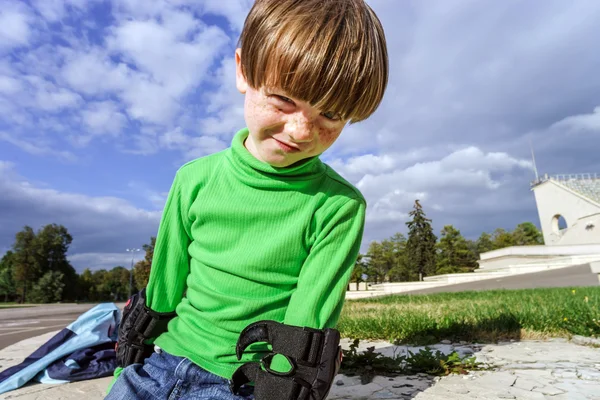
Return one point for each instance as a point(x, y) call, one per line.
point(328, 136)
point(260, 114)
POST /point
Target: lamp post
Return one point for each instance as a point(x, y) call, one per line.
point(133, 251)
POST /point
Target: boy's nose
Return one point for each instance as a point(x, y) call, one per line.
point(301, 129)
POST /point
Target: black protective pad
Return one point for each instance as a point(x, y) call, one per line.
point(314, 355)
point(138, 324)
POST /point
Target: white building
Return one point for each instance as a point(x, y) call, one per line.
point(569, 208)
point(569, 211)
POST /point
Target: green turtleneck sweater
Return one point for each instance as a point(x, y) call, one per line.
point(242, 241)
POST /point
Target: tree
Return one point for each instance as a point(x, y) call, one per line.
point(501, 239)
point(51, 244)
point(86, 286)
point(420, 247)
point(400, 271)
point(484, 243)
point(358, 271)
point(26, 269)
point(36, 254)
point(7, 283)
point(376, 263)
point(527, 234)
point(100, 289)
point(49, 289)
point(454, 254)
point(116, 283)
point(141, 271)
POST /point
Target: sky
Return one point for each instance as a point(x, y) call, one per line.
point(101, 101)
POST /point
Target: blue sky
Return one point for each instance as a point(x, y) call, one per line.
point(102, 100)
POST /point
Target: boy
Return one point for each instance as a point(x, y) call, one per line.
point(264, 230)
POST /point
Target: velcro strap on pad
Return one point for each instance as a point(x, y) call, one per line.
point(315, 356)
point(138, 324)
point(301, 344)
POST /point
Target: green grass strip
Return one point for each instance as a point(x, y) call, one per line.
point(481, 316)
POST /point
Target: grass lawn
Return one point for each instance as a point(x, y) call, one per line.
point(485, 316)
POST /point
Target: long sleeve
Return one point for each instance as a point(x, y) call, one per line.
point(170, 263)
point(318, 300)
point(319, 297)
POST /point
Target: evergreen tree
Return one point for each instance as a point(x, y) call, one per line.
point(527, 234)
point(400, 271)
point(501, 239)
point(420, 247)
point(377, 264)
point(358, 271)
point(484, 243)
point(454, 254)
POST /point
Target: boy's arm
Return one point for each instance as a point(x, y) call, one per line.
point(319, 297)
point(170, 262)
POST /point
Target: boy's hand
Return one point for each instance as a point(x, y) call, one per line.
point(138, 328)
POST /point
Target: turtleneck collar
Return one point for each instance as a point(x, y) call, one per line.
point(258, 173)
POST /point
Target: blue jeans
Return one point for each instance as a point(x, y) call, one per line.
point(168, 377)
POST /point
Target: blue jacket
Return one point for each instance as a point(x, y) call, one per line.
point(83, 350)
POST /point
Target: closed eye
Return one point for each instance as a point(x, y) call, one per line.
point(332, 116)
point(285, 99)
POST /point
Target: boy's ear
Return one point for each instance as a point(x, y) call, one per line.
point(240, 79)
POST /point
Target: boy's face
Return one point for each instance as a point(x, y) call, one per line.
point(284, 130)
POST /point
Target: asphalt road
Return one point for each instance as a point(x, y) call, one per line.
point(22, 323)
point(580, 275)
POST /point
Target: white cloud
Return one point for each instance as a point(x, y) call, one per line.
point(101, 119)
point(6, 167)
point(149, 196)
point(167, 66)
point(466, 168)
point(107, 261)
point(97, 223)
point(57, 99)
point(225, 105)
point(204, 145)
point(15, 19)
point(90, 71)
point(467, 177)
point(174, 138)
point(37, 147)
point(583, 122)
point(234, 10)
point(9, 86)
point(56, 10)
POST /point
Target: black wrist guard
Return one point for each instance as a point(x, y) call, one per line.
point(138, 324)
point(314, 356)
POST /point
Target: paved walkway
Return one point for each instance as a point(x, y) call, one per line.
point(23, 322)
point(549, 370)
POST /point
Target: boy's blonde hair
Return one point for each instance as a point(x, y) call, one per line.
point(329, 53)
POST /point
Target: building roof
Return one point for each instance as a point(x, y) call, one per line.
point(586, 185)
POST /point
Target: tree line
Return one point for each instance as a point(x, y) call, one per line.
point(421, 253)
point(36, 269)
